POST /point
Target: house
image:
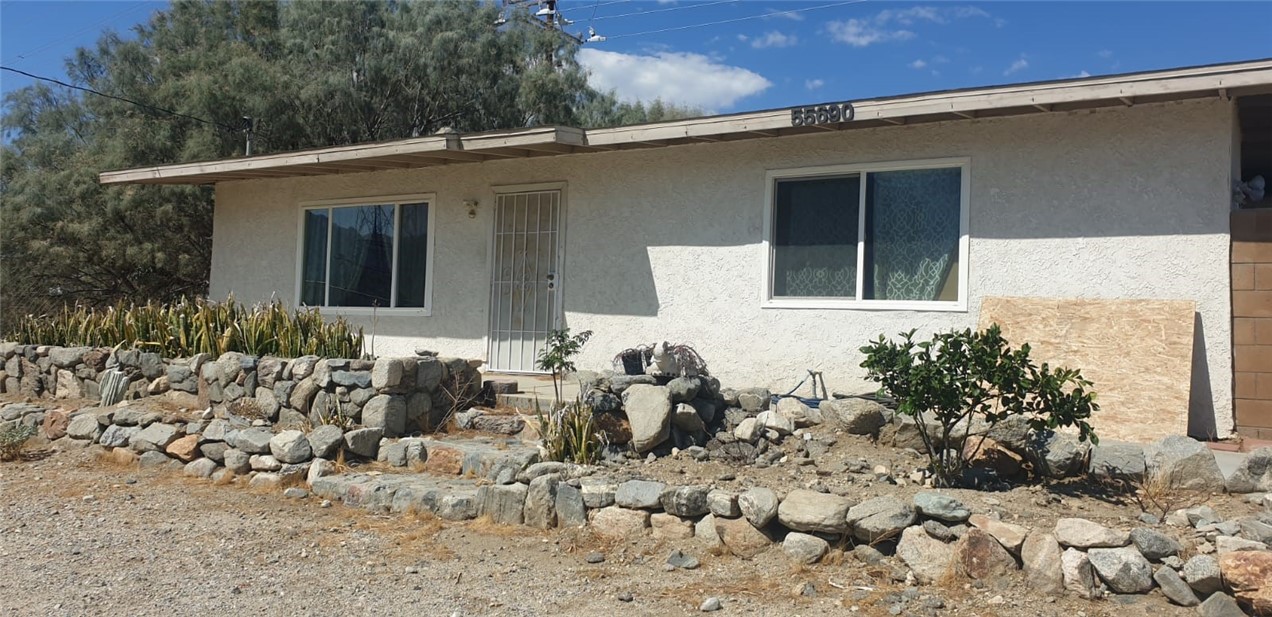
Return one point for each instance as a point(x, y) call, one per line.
point(747, 234)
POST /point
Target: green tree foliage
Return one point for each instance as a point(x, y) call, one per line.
point(963, 383)
point(311, 74)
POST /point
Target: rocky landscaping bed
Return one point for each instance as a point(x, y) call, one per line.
point(693, 464)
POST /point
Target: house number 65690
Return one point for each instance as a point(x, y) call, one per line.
point(822, 114)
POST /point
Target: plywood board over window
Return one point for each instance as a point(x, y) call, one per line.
point(1138, 353)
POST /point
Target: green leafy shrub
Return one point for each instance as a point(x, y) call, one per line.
point(569, 433)
point(189, 326)
point(12, 439)
point(557, 356)
point(968, 379)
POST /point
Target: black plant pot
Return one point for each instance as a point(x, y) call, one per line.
point(634, 363)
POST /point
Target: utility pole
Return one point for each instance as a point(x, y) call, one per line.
point(249, 132)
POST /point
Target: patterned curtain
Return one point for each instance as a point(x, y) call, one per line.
point(815, 238)
point(912, 220)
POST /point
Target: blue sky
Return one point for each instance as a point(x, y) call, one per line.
point(766, 56)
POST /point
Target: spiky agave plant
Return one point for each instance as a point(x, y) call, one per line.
point(569, 433)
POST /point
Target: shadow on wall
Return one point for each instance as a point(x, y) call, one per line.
point(1201, 402)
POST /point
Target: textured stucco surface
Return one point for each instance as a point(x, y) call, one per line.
point(665, 244)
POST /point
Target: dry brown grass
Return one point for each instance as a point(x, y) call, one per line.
point(116, 458)
point(225, 479)
point(487, 526)
point(757, 586)
point(1156, 495)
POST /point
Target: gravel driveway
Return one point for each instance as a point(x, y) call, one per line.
point(79, 536)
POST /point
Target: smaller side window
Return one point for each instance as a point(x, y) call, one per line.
point(365, 255)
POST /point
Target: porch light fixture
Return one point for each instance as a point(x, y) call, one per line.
point(471, 204)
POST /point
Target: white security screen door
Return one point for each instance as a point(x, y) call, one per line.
point(524, 290)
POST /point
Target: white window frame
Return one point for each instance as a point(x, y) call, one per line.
point(772, 176)
point(397, 201)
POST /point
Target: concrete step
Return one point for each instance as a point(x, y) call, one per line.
point(525, 401)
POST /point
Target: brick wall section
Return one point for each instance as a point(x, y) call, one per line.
point(1252, 321)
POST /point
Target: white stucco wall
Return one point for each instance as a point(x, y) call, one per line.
point(664, 244)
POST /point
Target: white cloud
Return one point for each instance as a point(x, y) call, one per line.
point(774, 39)
point(891, 25)
point(1104, 53)
point(861, 33)
point(939, 59)
point(1082, 73)
point(1017, 66)
point(813, 84)
point(918, 64)
point(679, 77)
point(776, 14)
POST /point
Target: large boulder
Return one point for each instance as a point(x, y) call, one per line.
point(928, 558)
point(184, 449)
point(504, 504)
point(1184, 463)
point(649, 412)
point(741, 537)
point(540, 505)
point(1011, 536)
point(856, 416)
point(84, 426)
point(1249, 575)
point(1040, 560)
point(685, 501)
point(801, 415)
point(1203, 574)
point(1124, 569)
point(804, 548)
point(386, 412)
point(683, 389)
point(1062, 456)
point(979, 556)
point(758, 505)
point(941, 506)
point(640, 495)
point(1254, 474)
point(880, 518)
point(155, 437)
point(326, 440)
point(1083, 534)
point(364, 442)
point(620, 523)
point(1117, 460)
point(290, 447)
point(686, 418)
point(1174, 587)
point(810, 511)
point(1078, 575)
point(1154, 545)
point(253, 440)
point(237, 461)
point(116, 436)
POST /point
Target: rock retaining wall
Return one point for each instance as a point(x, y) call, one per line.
point(401, 396)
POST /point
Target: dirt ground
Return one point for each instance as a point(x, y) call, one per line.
point(80, 536)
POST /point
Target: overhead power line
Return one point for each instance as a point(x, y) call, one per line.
point(120, 98)
point(736, 19)
point(674, 8)
point(23, 56)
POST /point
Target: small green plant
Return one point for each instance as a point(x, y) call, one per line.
point(335, 415)
point(569, 433)
point(960, 380)
point(12, 440)
point(557, 356)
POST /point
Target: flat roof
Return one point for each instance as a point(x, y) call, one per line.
point(1219, 80)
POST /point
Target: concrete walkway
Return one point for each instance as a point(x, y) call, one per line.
point(532, 388)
